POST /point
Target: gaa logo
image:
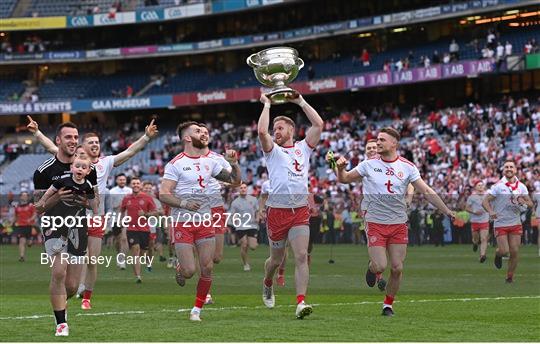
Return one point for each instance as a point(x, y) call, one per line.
point(131, 240)
point(149, 16)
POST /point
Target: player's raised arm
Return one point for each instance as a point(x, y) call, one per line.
point(235, 176)
point(313, 134)
point(432, 197)
point(343, 176)
point(264, 123)
point(149, 133)
point(46, 142)
point(166, 195)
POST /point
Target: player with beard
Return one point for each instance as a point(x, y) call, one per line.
point(103, 166)
point(214, 190)
point(25, 218)
point(287, 205)
point(385, 178)
point(479, 220)
point(184, 188)
point(505, 201)
point(64, 277)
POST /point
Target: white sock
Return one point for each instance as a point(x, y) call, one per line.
point(385, 305)
point(196, 310)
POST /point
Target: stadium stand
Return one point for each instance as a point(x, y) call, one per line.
point(46, 8)
point(6, 7)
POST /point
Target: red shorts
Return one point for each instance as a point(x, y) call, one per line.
point(218, 220)
point(281, 220)
point(379, 234)
point(187, 233)
point(479, 226)
point(96, 231)
point(507, 230)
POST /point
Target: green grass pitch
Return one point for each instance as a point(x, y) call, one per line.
point(446, 295)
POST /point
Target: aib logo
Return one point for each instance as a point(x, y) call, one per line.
point(297, 166)
point(201, 180)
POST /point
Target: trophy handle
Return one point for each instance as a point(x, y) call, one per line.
point(252, 63)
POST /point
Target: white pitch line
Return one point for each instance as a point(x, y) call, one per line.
point(468, 299)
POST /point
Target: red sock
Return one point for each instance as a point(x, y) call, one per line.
point(389, 300)
point(281, 271)
point(202, 290)
point(268, 282)
point(510, 275)
point(379, 275)
point(87, 294)
point(300, 298)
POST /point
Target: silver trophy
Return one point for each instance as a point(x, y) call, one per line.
point(276, 68)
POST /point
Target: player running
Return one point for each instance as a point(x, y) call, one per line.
point(25, 219)
point(184, 188)
point(385, 179)
point(287, 205)
point(64, 277)
point(479, 219)
point(103, 166)
point(213, 188)
point(244, 214)
point(505, 202)
point(138, 206)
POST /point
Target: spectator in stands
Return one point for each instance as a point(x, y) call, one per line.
point(446, 58)
point(365, 58)
point(508, 48)
point(454, 51)
point(491, 39)
point(436, 59)
point(129, 91)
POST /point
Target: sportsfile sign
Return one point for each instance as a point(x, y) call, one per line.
point(39, 107)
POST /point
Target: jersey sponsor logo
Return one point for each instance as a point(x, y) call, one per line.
point(389, 186)
point(201, 180)
point(297, 166)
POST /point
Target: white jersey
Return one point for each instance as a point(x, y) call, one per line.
point(475, 202)
point(116, 195)
point(246, 209)
point(288, 169)
point(266, 188)
point(537, 198)
point(103, 167)
point(214, 186)
point(385, 188)
point(505, 204)
point(192, 175)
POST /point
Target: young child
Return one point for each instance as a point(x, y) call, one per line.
point(80, 187)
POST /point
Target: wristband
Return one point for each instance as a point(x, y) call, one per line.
point(267, 105)
point(302, 103)
point(183, 203)
point(36, 133)
point(146, 138)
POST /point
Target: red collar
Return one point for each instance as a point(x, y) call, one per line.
point(512, 187)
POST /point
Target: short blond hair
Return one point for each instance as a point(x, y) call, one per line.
point(284, 119)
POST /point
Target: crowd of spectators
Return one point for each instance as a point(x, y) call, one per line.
point(452, 147)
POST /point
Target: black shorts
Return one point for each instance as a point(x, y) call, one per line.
point(23, 231)
point(249, 232)
point(116, 230)
point(77, 239)
point(162, 236)
point(138, 238)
